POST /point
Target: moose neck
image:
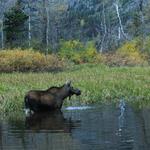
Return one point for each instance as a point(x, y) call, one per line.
point(61, 95)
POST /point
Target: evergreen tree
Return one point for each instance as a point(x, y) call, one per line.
point(14, 25)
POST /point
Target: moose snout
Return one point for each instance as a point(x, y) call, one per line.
point(78, 92)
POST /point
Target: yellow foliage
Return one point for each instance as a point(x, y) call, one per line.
point(146, 48)
point(129, 54)
point(77, 52)
point(100, 58)
point(27, 60)
point(91, 50)
point(68, 48)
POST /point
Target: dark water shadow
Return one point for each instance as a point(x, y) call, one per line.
point(51, 122)
point(45, 130)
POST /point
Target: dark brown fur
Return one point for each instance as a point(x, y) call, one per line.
point(50, 99)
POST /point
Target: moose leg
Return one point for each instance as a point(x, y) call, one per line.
point(27, 109)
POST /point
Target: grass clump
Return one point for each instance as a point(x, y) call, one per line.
point(98, 83)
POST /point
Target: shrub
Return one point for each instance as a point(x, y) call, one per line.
point(146, 48)
point(69, 48)
point(90, 52)
point(28, 60)
point(78, 52)
point(130, 53)
point(127, 55)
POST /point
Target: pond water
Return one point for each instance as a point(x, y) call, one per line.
point(107, 127)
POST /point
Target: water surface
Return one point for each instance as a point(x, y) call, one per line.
point(109, 127)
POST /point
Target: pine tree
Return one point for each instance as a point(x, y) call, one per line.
point(14, 24)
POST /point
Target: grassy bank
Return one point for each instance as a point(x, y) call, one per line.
point(98, 83)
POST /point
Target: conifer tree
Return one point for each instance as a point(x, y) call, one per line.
point(14, 24)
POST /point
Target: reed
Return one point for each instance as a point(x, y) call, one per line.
point(98, 83)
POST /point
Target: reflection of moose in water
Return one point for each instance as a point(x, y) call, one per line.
point(50, 99)
point(52, 121)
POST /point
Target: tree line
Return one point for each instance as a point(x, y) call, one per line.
point(44, 24)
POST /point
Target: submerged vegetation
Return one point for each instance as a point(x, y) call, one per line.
point(98, 83)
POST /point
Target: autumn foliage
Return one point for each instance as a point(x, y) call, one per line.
point(28, 60)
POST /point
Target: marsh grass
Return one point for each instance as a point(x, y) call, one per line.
point(98, 83)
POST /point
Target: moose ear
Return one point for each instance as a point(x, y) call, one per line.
point(68, 83)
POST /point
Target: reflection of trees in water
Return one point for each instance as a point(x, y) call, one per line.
point(146, 125)
point(142, 129)
point(1, 135)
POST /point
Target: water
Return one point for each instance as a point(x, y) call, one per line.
point(78, 107)
point(109, 127)
point(122, 107)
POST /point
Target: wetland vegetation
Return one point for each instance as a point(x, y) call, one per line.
point(98, 83)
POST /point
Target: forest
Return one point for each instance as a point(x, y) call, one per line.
point(43, 24)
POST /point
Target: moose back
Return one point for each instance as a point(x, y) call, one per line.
point(50, 99)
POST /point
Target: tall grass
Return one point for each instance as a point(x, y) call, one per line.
point(98, 83)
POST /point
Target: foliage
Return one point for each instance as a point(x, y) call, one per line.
point(146, 48)
point(98, 83)
point(14, 24)
point(28, 60)
point(69, 48)
point(128, 54)
point(90, 52)
point(77, 52)
point(131, 52)
point(85, 20)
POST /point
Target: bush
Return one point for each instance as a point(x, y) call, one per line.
point(127, 55)
point(28, 60)
point(90, 52)
point(69, 48)
point(78, 52)
point(146, 48)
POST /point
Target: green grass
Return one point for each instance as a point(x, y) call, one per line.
point(99, 84)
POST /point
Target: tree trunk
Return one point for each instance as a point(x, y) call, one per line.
point(119, 34)
point(46, 25)
point(29, 25)
point(105, 29)
point(142, 22)
point(120, 22)
point(47, 30)
point(2, 34)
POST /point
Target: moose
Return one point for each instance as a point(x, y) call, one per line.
point(50, 99)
